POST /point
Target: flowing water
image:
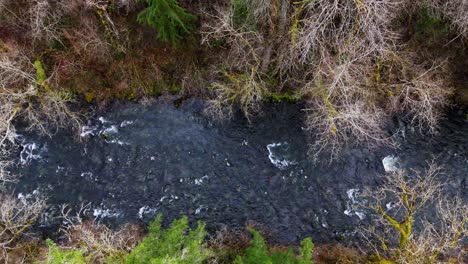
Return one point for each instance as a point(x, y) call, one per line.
point(135, 161)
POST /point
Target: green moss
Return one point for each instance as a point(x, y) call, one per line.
point(429, 28)
point(89, 97)
point(128, 94)
point(40, 73)
point(162, 86)
point(174, 89)
point(282, 97)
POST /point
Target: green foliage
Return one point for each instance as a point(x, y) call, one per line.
point(59, 256)
point(177, 245)
point(40, 73)
point(168, 18)
point(305, 251)
point(283, 97)
point(242, 17)
point(429, 27)
point(259, 253)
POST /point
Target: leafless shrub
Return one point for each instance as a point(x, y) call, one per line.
point(11, 75)
point(87, 41)
point(128, 5)
point(421, 92)
point(455, 11)
point(344, 25)
point(231, 239)
point(17, 215)
point(44, 21)
point(227, 242)
point(244, 90)
point(22, 94)
point(5, 175)
point(99, 242)
point(341, 108)
point(399, 204)
point(101, 7)
point(335, 126)
point(102, 243)
point(262, 11)
point(247, 88)
point(245, 46)
point(338, 253)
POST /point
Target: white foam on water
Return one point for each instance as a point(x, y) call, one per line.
point(200, 209)
point(101, 213)
point(89, 176)
point(146, 210)
point(31, 151)
point(103, 120)
point(28, 198)
point(351, 194)
point(126, 123)
point(109, 130)
point(279, 162)
point(118, 142)
point(350, 208)
point(390, 163)
point(170, 198)
point(389, 205)
point(87, 131)
point(201, 180)
point(60, 169)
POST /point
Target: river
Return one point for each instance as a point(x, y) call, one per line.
point(137, 160)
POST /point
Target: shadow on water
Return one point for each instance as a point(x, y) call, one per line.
point(135, 161)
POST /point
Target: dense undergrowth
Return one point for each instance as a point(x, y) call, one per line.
point(356, 64)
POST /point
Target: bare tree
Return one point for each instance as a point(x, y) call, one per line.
point(44, 19)
point(421, 92)
point(242, 82)
point(17, 215)
point(400, 203)
point(24, 93)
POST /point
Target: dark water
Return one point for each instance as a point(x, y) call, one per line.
point(139, 160)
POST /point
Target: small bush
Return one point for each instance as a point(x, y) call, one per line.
point(100, 243)
point(168, 18)
point(429, 27)
point(178, 245)
point(60, 256)
point(259, 253)
point(242, 15)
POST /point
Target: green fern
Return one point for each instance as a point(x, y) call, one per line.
point(59, 256)
point(169, 19)
point(259, 253)
point(177, 245)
